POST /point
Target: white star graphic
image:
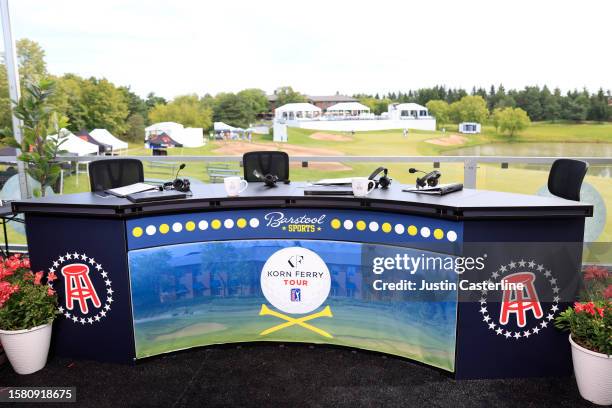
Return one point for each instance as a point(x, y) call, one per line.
point(486, 319)
point(517, 335)
point(106, 307)
point(110, 291)
point(491, 325)
point(109, 299)
point(51, 270)
point(547, 274)
point(75, 319)
point(67, 315)
point(83, 257)
point(483, 300)
point(526, 333)
point(90, 320)
point(540, 268)
point(104, 274)
point(82, 321)
point(103, 313)
point(55, 264)
point(98, 267)
point(554, 308)
point(536, 330)
point(76, 255)
point(556, 298)
point(556, 289)
point(61, 309)
point(483, 310)
point(68, 256)
point(512, 264)
point(522, 263)
point(553, 281)
point(484, 291)
point(544, 324)
point(550, 317)
point(495, 275)
point(507, 334)
point(97, 317)
point(61, 259)
point(531, 264)
point(108, 282)
point(498, 331)
point(503, 269)
point(92, 261)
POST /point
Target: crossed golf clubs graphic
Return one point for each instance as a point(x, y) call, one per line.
point(290, 321)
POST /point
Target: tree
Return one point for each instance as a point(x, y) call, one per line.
point(286, 94)
point(136, 127)
point(471, 108)
point(187, 110)
point(39, 119)
point(599, 110)
point(106, 106)
point(440, 110)
point(154, 100)
point(511, 120)
point(134, 102)
point(31, 61)
point(574, 108)
point(233, 110)
point(68, 99)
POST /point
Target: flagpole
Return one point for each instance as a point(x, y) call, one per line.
point(10, 60)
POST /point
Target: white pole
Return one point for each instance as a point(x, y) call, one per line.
point(10, 59)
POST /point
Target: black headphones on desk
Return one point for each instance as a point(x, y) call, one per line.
point(269, 180)
point(430, 179)
point(182, 185)
point(383, 181)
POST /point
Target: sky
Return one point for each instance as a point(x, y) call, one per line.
point(323, 47)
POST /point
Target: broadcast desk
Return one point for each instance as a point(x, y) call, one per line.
point(423, 277)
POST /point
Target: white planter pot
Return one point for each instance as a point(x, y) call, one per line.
point(593, 374)
point(27, 350)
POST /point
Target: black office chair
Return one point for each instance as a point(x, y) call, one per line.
point(274, 163)
point(113, 173)
point(565, 178)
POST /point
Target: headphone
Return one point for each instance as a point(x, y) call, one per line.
point(383, 181)
point(430, 179)
point(182, 185)
point(268, 179)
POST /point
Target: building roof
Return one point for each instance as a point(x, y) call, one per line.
point(348, 106)
point(298, 107)
point(320, 98)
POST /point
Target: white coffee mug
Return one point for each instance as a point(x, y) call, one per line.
point(361, 186)
point(233, 185)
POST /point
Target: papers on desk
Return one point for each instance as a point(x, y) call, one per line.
point(131, 189)
point(442, 189)
point(333, 182)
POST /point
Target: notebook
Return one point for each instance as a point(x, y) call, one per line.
point(333, 182)
point(442, 189)
point(156, 195)
point(328, 190)
point(131, 189)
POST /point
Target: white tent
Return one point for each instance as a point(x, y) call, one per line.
point(76, 145)
point(223, 127)
point(300, 110)
point(348, 109)
point(188, 137)
point(104, 136)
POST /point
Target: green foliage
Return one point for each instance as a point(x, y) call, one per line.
point(136, 128)
point(39, 119)
point(471, 108)
point(25, 300)
point(590, 324)
point(376, 105)
point(187, 110)
point(286, 94)
point(240, 109)
point(440, 110)
point(510, 120)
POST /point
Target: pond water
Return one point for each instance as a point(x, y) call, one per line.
point(542, 150)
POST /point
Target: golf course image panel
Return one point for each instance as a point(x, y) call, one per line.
point(289, 290)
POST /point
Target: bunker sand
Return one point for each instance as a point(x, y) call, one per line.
point(452, 140)
point(331, 137)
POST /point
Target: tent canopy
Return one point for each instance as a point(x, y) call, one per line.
point(348, 106)
point(187, 137)
point(161, 140)
point(223, 127)
point(104, 136)
point(298, 107)
point(76, 145)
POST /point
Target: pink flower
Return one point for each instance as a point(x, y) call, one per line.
point(600, 311)
point(578, 307)
point(6, 290)
point(4, 272)
point(38, 277)
point(608, 292)
point(50, 292)
point(51, 276)
point(25, 263)
point(595, 272)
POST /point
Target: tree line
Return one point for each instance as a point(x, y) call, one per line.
point(540, 104)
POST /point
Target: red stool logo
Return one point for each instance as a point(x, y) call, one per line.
point(520, 301)
point(78, 287)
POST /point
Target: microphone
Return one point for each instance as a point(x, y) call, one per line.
point(413, 170)
point(181, 167)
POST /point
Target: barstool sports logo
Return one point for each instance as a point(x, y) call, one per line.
point(521, 313)
point(295, 281)
point(83, 302)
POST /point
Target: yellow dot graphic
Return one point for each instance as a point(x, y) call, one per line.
point(137, 232)
point(164, 228)
point(386, 227)
point(412, 230)
point(215, 224)
point(241, 223)
point(190, 226)
point(335, 223)
point(438, 233)
point(361, 225)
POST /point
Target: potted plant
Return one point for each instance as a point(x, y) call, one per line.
point(27, 309)
point(590, 325)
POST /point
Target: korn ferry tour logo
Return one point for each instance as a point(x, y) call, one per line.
point(295, 280)
point(521, 313)
point(82, 302)
point(300, 223)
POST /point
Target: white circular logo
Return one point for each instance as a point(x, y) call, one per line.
point(295, 280)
